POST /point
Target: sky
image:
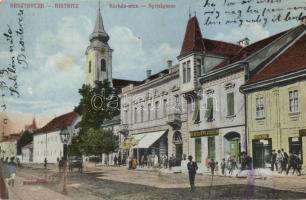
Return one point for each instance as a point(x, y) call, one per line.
point(142, 38)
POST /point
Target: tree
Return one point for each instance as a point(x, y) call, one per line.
point(26, 138)
point(97, 104)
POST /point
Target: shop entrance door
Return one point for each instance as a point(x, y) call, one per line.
point(262, 152)
point(258, 154)
point(234, 148)
point(178, 154)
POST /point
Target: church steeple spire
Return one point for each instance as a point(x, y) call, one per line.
point(99, 32)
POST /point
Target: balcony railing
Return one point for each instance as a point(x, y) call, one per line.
point(174, 119)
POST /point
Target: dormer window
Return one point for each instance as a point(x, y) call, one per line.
point(103, 65)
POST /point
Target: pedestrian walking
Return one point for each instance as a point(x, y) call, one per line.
point(170, 162)
point(294, 162)
point(212, 166)
point(285, 160)
point(115, 161)
point(166, 162)
point(45, 163)
point(192, 170)
point(279, 161)
point(273, 161)
point(222, 165)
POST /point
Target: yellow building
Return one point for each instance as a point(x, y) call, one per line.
point(276, 104)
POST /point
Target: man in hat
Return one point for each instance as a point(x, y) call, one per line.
point(192, 169)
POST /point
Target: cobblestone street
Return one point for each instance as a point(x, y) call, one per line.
point(120, 183)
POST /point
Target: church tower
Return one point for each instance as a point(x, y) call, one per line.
point(98, 55)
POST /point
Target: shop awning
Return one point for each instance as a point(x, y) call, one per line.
point(148, 139)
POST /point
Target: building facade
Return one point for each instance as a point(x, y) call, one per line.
point(153, 113)
point(214, 110)
point(47, 142)
point(276, 99)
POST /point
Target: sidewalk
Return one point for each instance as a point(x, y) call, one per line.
point(33, 192)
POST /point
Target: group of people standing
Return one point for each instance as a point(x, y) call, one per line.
point(156, 161)
point(281, 161)
point(229, 165)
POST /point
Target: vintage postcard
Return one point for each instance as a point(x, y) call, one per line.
point(152, 99)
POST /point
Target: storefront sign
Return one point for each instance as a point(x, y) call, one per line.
point(204, 133)
point(262, 136)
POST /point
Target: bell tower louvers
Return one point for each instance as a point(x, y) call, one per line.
point(98, 55)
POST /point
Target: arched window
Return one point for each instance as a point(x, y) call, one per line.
point(103, 66)
point(89, 67)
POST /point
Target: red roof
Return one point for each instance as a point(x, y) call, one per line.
point(31, 127)
point(193, 37)
point(59, 122)
point(292, 59)
point(248, 50)
point(221, 48)
point(194, 42)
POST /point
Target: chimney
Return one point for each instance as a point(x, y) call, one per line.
point(169, 66)
point(169, 63)
point(149, 73)
point(244, 42)
point(303, 20)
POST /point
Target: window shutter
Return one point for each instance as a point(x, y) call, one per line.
point(209, 111)
point(196, 112)
point(230, 104)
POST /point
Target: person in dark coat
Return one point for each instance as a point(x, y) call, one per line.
point(294, 162)
point(285, 160)
point(45, 163)
point(192, 170)
point(115, 161)
point(212, 166)
point(273, 161)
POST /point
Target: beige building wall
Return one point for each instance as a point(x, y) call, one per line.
point(278, 123)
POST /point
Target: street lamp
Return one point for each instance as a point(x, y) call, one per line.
point(65, 136)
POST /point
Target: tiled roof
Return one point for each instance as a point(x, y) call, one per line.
point(193, 37)
point(58, 123)
point(292, 59)
point(248, 50)
point(194, 42)
point(221, 48)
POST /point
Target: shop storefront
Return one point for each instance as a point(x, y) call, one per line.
point(262, 151)
point(150, 145)
point(205, 143)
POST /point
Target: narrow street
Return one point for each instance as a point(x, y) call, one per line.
point(120, 183)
